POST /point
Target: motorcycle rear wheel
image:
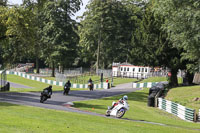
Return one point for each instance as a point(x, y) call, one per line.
point(43, 98)
point(120, 113)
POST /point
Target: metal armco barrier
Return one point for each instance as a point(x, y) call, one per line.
point(96, 86)
point(177, 109)
point(146, 85)
point(199, 116)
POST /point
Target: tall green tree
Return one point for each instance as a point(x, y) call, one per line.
point(3, 2)
point(17, 35)
point(36, 7)
point(58, 32)
point(105, 33)
point(182, 23)
point(152, 47)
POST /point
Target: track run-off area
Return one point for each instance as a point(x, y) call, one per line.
point(59, 101)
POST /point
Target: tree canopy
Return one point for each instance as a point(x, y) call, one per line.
point(182, 23)
point(162, 33)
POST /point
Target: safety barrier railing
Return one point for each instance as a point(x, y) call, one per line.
point(177, 109)
point(199, 116)
point(27, 76)
point(144, 85)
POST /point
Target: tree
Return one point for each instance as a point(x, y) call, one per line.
point(36, 7)
point(152, 47)
point(58, 31)
point(105, 33)
point(3, 2)
point(182, 25)
point(17, 34)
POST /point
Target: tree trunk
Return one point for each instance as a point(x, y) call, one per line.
point(190, 77)
point(37, 65)
point(53, 69)
point(98, 50)
point(173, 81)
point(61, 69)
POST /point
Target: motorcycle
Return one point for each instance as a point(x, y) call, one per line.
point(44, 96)
point(90, 86)
point(66, 90)
point(118, 110)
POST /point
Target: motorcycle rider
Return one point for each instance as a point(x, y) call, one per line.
point(121, 100)
point(90, 82)
point(67, 88)
point(49, 90)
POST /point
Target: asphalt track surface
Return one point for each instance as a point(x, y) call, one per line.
point(59, 102)
point(15, 85)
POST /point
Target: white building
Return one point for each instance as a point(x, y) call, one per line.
point(129, 70)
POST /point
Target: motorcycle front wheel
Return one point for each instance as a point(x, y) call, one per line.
point(120, 113)
point(108, 113)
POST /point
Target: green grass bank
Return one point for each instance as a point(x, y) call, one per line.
point(25, 119)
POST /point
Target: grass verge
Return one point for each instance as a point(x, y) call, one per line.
point(37, 86)
point(138, 109)
point(25, 119)
point(96, 79)
point(185, 96)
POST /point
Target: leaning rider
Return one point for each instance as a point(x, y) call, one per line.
point(121, 100)
point(49, 90)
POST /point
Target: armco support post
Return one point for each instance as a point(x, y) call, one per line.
point(199, 116)
point(195, 116)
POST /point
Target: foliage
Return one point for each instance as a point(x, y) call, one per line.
point(182, 25)
point(18, 35)
point(27, 32)
point(151, 46)
point(58, 31)
point(105, 33)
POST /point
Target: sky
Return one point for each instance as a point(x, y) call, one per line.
point(79, 13)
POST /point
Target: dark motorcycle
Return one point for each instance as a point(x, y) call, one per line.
point(44, 96)
point(66, 90)
point(90, 86)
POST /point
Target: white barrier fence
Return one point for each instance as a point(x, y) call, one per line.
point(199, 116)
point(74, 85)
point(144, 85)
point(177, 109)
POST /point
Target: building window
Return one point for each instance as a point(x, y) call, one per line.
point(142, 69)
point(139, 70)
point(133, 69)
point(128, 69)
point(145, 69)
point(121, 68)
point(124, 68)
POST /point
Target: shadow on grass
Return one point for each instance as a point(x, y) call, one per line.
point(4, 104)
point(89, 106)
point(133, 96)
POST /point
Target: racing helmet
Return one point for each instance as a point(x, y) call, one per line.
point(125, 97)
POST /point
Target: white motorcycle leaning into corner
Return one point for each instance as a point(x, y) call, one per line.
point(118, 109)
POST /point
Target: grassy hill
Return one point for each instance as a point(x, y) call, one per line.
point(185, 95)
point(138, 109)
point(26, 119)
point(15, 118)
